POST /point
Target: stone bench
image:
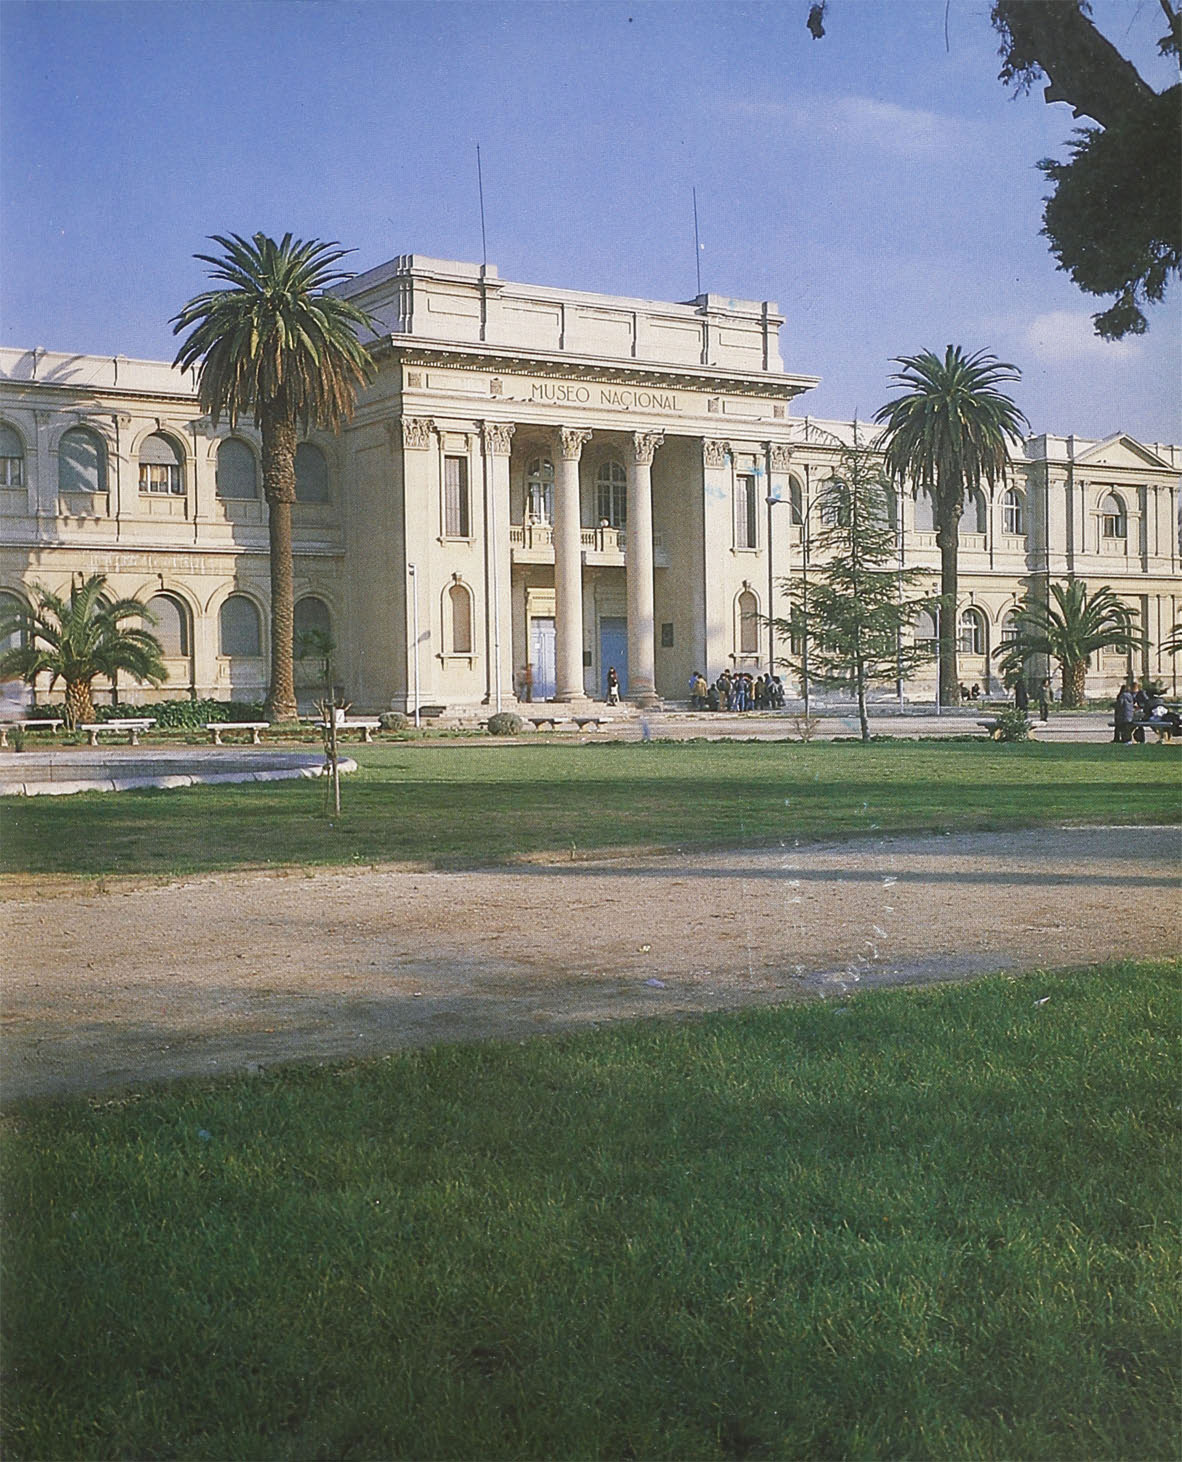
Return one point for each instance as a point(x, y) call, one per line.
point(582, 722)
point(367, 725)
point(131, 725)
point(537, 722)
point(1163, 730)
point(29, 723)
point(217, 728)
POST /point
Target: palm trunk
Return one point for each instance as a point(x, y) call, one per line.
point(948, 542)
point(1074, 675)
point(79, 706)
point(279, 444)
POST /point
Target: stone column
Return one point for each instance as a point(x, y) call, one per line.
point(496, 439)
point(568, 567)
point(639, 562)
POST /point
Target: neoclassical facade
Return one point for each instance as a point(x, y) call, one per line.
point(539, 484)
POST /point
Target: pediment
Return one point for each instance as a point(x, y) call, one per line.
point(1122, 451)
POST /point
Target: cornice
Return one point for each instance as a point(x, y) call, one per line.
point(474, 356)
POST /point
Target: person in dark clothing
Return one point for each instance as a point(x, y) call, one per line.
point(1021, 695)
point(1044, 698)
point(1124, 715)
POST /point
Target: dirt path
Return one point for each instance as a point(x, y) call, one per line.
point(228, 972)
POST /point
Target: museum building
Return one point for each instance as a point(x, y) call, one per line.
point(538, 484)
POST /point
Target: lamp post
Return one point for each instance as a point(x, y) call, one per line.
point(414, 600)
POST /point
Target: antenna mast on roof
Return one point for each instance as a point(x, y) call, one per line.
point(480, 187)
point(697, 245)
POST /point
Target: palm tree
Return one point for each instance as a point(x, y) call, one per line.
point(79, 639)
point(275, 342)
point(948, 435)
point(1070, 627)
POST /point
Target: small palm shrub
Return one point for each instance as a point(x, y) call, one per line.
point(1012, 725)
point(505, 723)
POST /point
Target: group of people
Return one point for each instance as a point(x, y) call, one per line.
point(736, 692)
point(1137, 704)
point(1022, 696)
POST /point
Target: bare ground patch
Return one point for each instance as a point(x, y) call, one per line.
point(120, 982)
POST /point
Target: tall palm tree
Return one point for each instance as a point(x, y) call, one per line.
point(276, 343)
point(77, 639)
point(947, 435)
point(1070, 627)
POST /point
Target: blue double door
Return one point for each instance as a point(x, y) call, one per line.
point(613, 651)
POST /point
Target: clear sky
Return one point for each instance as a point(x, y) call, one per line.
point(879, 184)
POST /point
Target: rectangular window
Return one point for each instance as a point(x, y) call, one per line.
point(745, 512)
point(161, 477)
point(456, 521)
point(10, 471)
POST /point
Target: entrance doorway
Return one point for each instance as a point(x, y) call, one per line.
point(613, 650)
point(541, 656)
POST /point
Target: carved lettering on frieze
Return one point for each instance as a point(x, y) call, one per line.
point(417, 431)
point(571, 439)
point(497, 437)
point(715, 453)
point(645, 444)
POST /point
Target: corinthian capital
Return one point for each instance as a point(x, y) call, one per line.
point(497, 437)
point(714, 452)
point(416, 431)
point(779, 455)
point(645, 444)
point(570, 441)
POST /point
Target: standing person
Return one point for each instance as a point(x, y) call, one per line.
point(527, 682)
point(1021, 695)
point(613, 686)
point(1044, 698)
point(1124, 714)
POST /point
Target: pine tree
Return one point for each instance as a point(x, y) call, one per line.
point(852, 616)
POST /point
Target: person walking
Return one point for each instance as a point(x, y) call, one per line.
point(1124, 714)
point(1044, 698)
point(1021, 695)
point(613, 686)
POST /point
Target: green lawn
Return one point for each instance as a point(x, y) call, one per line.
point(451, 806)
point(936, 1224)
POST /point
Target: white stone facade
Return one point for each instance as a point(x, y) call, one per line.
point(546, 482)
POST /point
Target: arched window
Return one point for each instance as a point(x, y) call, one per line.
point(747, 610)
point(611, 495)
point(81, 461)
point(1013, 513)
point(237, 473)
point(972, 515)
point(12, 458)
point(11, 604)
point(1114, 522)
point(796, 497)
point(160, 466)
point(313, 626)
point(240, 631)
point(927, 630)
point(971, 639)
point(460, 612)
point(925, 520)
point(311, 474)
point(539, 490)
point(171, 627)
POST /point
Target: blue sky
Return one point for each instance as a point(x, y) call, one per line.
point(879, 184)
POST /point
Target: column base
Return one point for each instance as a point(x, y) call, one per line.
point(647, 700)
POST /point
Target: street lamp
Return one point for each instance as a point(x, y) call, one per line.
point(414, 599)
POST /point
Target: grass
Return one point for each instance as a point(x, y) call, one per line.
point(455, 806)
point(934, 1224)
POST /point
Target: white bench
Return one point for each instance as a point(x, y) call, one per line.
point(132, 725)
point(367, 725)
point(256, 729)
point(582, 722)
point(537, 722)
point(29, 723)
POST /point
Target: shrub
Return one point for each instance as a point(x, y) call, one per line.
point(505, 723)
point(1012, 725)
point(394, 721)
